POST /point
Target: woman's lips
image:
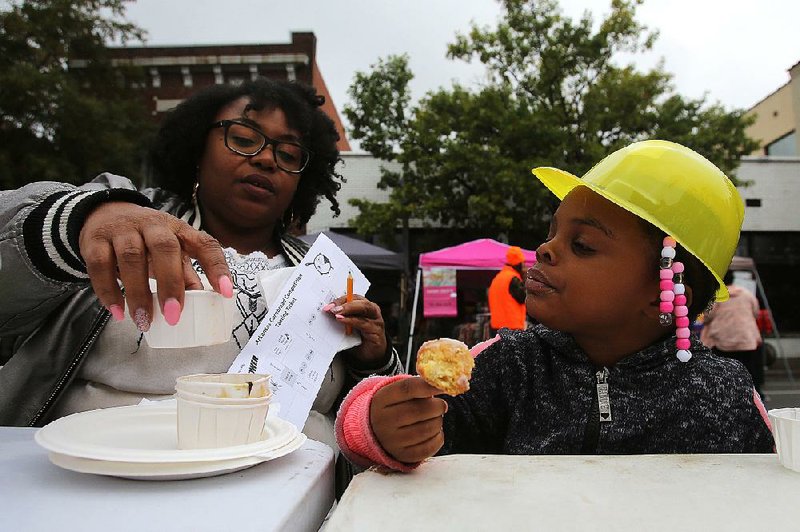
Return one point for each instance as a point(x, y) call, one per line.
point(537, 282)
point(258, 185)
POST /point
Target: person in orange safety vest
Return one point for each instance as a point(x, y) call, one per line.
point(507, 293)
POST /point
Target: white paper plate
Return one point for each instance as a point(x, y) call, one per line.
point(146, 434)
point(174, 470)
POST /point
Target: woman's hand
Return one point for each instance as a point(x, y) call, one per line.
point(406, 419)
point(364, 315)
point(131, 243)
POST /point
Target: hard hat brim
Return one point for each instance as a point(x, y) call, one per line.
point(561, 183)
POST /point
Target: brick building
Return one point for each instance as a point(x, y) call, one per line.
point(174, 72)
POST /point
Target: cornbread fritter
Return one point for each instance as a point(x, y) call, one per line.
point(446, 364)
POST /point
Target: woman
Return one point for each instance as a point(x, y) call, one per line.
point(235, 166)
point(731, 329)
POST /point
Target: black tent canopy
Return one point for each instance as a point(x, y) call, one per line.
point(366, 256)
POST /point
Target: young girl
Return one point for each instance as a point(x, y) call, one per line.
point(637, 247)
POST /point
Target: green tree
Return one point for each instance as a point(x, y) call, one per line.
point(381, 122)
point(65, 112)
point(557, 95)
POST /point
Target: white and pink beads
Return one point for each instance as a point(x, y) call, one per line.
point(673, 298)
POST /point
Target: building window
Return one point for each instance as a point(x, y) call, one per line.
point(218, 78)
point(752, 202)
point(786, 146)
point(156, 77)
point(164, 105)
point(290, 73)
point(187, 77)
point(253, 72)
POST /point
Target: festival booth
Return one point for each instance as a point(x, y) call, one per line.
point(439, 273)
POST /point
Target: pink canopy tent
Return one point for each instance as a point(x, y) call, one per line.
point(482, 254)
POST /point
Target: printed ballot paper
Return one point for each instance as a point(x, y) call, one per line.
point(296, 341)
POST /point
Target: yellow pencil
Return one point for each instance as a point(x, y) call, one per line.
point(347, 328)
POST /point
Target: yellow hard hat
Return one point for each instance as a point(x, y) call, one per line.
point(675, 189)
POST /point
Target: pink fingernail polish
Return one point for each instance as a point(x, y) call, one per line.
point(172, 311)
point(338, 309)
point(327, 307)
point(117, 312)
point(339, 317)
point(225, 286)
point(142, 319)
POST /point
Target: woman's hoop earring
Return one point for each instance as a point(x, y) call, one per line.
point(288, 218)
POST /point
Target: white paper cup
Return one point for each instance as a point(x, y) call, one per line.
point(205, 425)
point(224, 385)
point(206, 319)
point(786, 431)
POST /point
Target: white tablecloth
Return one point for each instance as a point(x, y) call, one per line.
point(292, 493)
point(620, 493)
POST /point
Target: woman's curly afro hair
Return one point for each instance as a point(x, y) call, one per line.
point(180, 141)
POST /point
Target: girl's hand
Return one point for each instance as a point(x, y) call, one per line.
point(406, 419)
point(364, 315)
point(131, 243)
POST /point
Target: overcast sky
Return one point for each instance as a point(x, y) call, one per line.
point(735, 51)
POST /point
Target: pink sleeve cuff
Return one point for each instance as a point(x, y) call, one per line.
point(761, 409)
point(354, 432)
point(478, 348)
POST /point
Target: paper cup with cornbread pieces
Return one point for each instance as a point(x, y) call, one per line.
point(221, 410)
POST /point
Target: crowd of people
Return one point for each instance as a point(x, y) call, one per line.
point(235, 167)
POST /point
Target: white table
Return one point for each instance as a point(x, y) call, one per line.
point(293, 493)
point(620, 493)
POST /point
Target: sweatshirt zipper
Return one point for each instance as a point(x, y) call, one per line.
point(85, 346)
point(603, 400)
point(601, 403)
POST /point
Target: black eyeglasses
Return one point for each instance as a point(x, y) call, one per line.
point(246, 140)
